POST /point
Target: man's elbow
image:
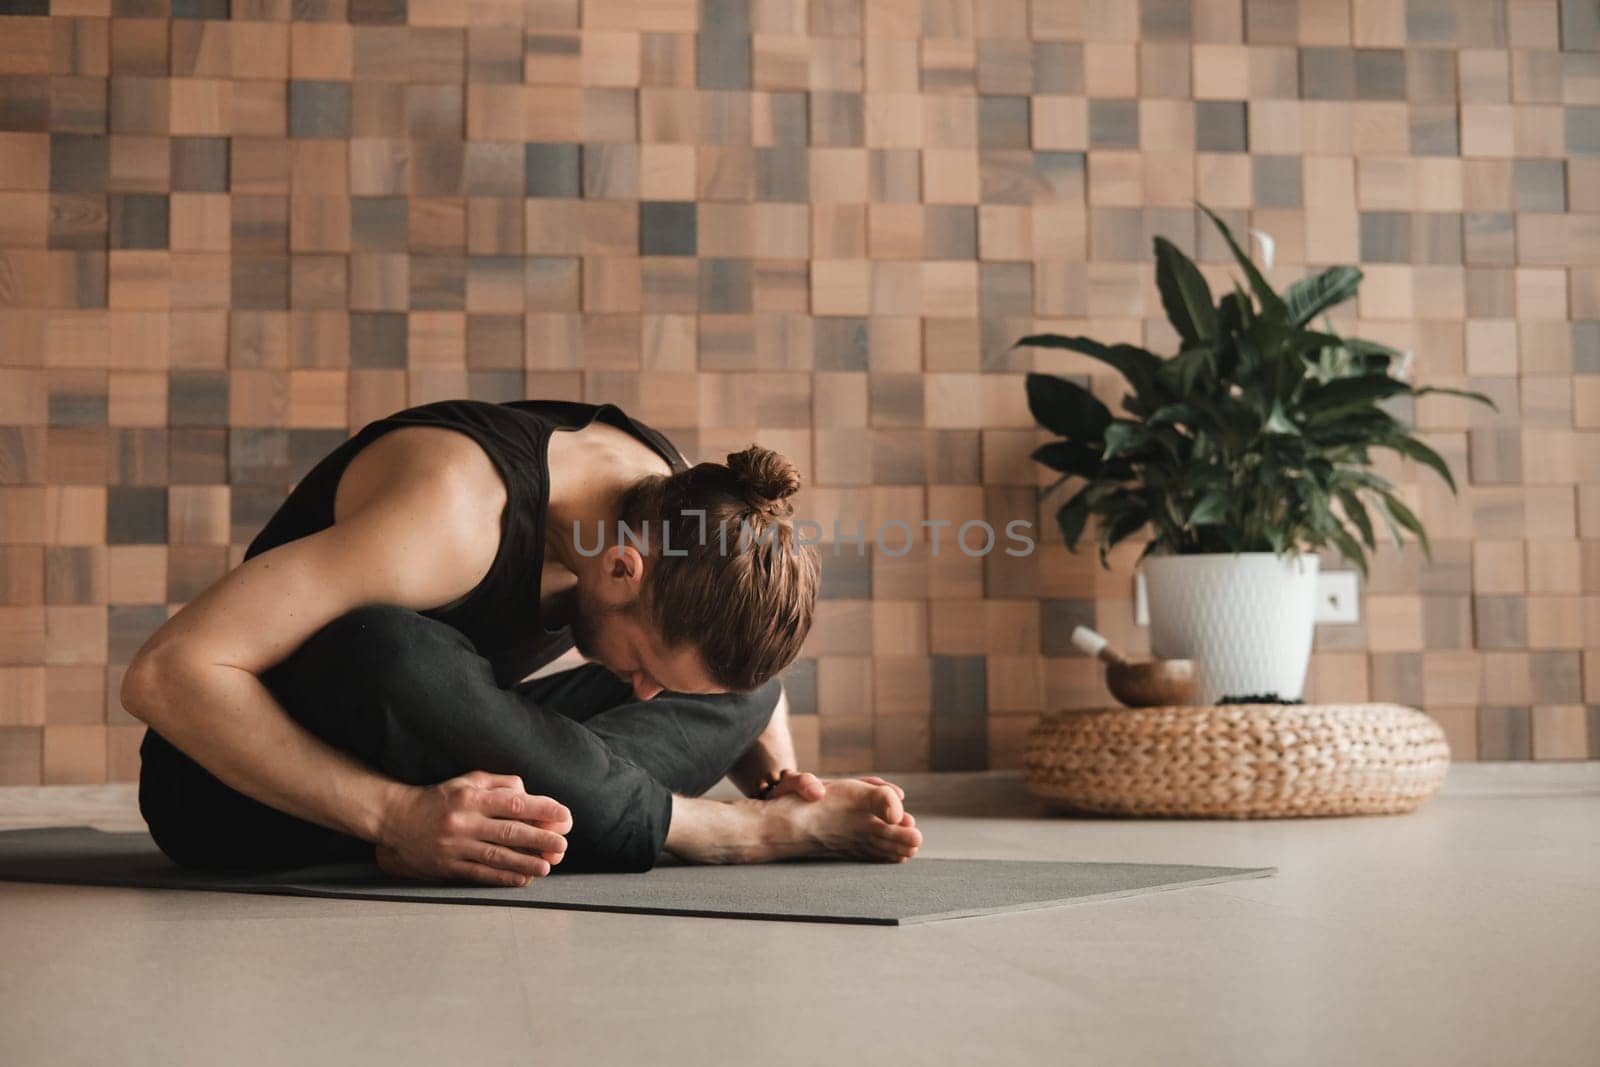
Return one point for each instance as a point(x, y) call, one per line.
point(142, 685)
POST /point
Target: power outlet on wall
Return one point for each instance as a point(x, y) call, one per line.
point(1338, 598)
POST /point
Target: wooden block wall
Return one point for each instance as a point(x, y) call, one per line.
point(233, 231)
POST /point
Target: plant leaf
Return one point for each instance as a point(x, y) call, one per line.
point(1381, 502)
point(1241, 300)
point(1466, 393)
point(1231, 311)
point(1184, 294)
point(1370, 356)
point(1073, 515)
point(1271, 302)
point(1070, 457)
point(1410, 446)
point(1279, 423)
point(1210, 510)
point(1309, 297)
point(1053, 486)
point(1363, 478)
point(1356, 345)
point(1129, 518)
point(1351, 550)
point(1123, 435)
point(1409, 521)
point(1181, 373)
point(1343, 394)
point(1172, 414)
point(1135, 364)
point(1357, 513)
point(1065, 407)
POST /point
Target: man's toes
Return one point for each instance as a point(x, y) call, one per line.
point(872, 779)
point(902, 832)
point(886, 805)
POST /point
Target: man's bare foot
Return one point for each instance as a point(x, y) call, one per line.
point(855, 820)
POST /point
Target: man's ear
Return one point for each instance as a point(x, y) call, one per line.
point(625, 562)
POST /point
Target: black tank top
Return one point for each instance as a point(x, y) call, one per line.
point(501, 614)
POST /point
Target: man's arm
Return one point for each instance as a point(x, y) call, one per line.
point(197, 678)
point(226, 720)
point(197, 681)
point(773, 751)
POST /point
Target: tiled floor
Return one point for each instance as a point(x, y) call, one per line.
point(1468, 933)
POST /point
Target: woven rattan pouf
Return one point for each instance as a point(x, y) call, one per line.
point(1237, 761)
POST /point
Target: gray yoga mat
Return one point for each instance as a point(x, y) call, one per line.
point(879, 894)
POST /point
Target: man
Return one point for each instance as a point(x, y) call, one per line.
point(368, 683)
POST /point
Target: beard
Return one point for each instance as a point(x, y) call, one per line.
point(587, 616)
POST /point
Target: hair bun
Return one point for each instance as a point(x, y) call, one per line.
point(765, 479)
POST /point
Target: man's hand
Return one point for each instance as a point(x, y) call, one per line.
point(807, 785)
point(478, 827)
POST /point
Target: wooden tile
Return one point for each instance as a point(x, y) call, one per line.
point(1221, 125)
point(1559, 732)
point(23, 579)
point(319, 109)
point(73, 696)
point(74, 755)
point(79, 163)
point(136, 573)
point(960, 699)
point(1503, 733)
point(905, 739)
point(138, 399)
point(21, 755)
point(81, 105)
point(78, 221)
point(138, 220)
point(1113, 123)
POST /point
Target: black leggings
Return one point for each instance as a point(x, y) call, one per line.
point(411, 697)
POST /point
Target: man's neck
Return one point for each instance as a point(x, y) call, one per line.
point(587, 480)
point(585, 520)
point(583, 507)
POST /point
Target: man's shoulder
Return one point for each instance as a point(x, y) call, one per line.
point(435, 460)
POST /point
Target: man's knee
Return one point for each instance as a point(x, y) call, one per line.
point(375, 682)
point(762, 702)
point(366, 653)
point(744, 718)
point(378, 642)
point(382, 633)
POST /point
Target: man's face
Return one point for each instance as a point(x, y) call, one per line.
point(618, 637)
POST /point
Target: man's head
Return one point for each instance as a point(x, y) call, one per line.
point(703, 588)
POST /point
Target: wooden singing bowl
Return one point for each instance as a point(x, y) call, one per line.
point(1152, 683)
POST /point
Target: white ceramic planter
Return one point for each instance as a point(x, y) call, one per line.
point(1246, 619)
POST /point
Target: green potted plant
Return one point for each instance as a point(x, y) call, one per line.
point(1242, 454)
